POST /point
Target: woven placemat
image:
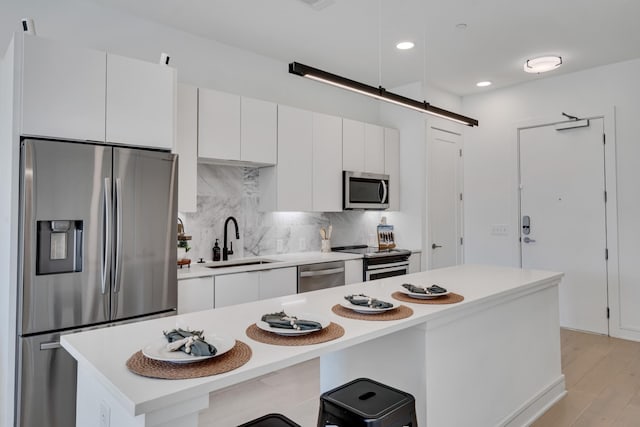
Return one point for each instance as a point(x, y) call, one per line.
point(331, 332)
point(400, 312)
point(452, 298)
point(234, 358)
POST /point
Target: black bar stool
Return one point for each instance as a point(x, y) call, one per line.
point(367, 403)
point(271, 420)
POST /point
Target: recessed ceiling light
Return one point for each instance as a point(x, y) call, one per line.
point(405, 45)
point(542, 64)
point(461, 26)
point(484, 83)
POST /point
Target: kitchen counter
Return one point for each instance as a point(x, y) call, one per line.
point(493, 359)
point(279, 261)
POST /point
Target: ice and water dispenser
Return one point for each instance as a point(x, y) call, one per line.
point(59, 246)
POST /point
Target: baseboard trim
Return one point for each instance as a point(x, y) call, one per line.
point(533, 409)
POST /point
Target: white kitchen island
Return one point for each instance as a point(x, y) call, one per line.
point(493, 359)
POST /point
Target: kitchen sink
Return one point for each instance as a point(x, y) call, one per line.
point(226, 264)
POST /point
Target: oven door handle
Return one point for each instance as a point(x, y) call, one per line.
point(370, 273)
point(391, 264)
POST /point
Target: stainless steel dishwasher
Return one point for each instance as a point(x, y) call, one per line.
point(312, 277)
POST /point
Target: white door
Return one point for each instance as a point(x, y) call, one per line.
point(563, 223)
point(444, 198)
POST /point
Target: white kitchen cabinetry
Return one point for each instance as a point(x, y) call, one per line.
point(373, 148)
point(278, 282)
point(327, 163)
point(218, 125)
point(249, 286)
point(258, 131)
point(187, 148)
point(288, 186)
point(353, 271)
point(140, 103)
point(236, 129)
point(195, 294)
point(415, 262)
point(82, 94)
point(236, 288)
point(63, 93)
point(392, 166)
point(362, 147)
point(352, 145)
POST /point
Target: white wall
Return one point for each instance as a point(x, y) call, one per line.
point(491, 170)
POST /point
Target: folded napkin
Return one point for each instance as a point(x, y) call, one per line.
point(283, 321)
point(190, 342)
point(430, 290)
point(366, 301)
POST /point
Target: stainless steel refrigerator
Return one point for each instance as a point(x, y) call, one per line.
point(98, 247)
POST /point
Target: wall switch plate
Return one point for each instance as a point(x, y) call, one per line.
point(279, 246)
point(499, 230)
point(105, 415)
point(302, 244)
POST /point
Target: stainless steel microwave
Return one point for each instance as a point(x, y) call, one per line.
point(365, 190)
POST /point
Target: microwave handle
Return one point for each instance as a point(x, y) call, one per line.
point(384, 191)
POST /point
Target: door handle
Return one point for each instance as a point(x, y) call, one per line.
point(527, 239)
point(434, 246)
point(105, 247)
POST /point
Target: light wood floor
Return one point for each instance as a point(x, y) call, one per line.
point(602, 377)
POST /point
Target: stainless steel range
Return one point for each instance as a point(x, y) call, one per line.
point(378, 264)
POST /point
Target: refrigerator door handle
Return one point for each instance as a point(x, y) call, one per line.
point(106, 235)
point(51, 345)
point(118, 221)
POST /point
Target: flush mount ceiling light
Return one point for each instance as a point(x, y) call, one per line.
point(378, 93)
point(542, 64)
point(405, 45)
point(484, 83)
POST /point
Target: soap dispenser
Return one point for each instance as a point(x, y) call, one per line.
point(216, 251)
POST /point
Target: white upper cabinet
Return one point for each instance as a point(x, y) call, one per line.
point(392, 166)
point(218, 125)
point(258, 131)
point(232, 128)
point(187, 148)
point(288, 186)
point(327, 163)
point(63, 92)
point(352, 145)
point(140, 103)
point(362, 147)
point(373, 148)
point(83, 94)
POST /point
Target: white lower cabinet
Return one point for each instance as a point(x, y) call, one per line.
point(237, 288)
point(278, 282)
point(353, 271)
point(415, 262)
point(195, 294)
point(250, 286)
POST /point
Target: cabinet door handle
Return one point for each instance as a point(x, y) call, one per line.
point(434, 246)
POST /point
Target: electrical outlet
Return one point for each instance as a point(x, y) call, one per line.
point(302, 245)
point(279, 246)
point(105, 415)
point(499, 229)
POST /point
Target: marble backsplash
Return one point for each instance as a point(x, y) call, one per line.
point(225, 191)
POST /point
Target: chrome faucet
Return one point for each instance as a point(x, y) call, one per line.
point(226, 252)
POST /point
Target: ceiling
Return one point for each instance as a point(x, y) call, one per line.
point(356, 38)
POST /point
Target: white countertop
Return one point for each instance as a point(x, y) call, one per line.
point(103, 352)
point(280, 261)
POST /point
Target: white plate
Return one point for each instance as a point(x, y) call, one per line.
point(422, 296)
point(157, 350)
point(366, 310)
point(324, 322)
